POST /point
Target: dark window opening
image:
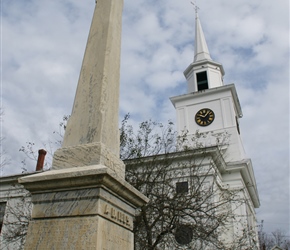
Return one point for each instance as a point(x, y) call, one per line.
point(2, 213)
point(238, 125)
point(182, 187)
point(202, 82)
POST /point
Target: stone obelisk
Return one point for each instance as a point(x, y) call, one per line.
point(91, 135)
point(84, 202)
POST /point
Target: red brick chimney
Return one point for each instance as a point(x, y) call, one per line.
point(40, 160)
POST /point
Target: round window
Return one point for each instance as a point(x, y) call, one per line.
point(183, 234)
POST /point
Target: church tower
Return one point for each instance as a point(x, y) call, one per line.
point(209, 105)
point(212, 108)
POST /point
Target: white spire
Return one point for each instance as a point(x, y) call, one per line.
point(201, 51)
point(203, 73)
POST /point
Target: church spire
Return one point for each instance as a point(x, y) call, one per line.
point(201, 51)
point(203, 73)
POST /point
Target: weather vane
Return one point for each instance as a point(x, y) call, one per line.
point(195, 7)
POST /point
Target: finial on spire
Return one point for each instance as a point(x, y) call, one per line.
point(200, 47)
point(195, 7)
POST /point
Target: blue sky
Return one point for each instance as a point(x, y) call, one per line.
point(42, 48)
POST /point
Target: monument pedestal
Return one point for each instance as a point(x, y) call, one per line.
point(81, 208)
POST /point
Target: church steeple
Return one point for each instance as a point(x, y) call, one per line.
point(212, 110)
point(201, 51)
point(203, 73)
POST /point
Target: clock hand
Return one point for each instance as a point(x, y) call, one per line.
point(206, 113)
point(203, 116)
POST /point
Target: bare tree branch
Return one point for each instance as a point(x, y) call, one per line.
point(156, 159)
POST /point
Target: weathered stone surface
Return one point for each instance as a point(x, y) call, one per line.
point(81, 208)
point(83, 177)
point(67, 233)
point(88, 154)
point(90, 201)
point(114, 237)
point(87, 233)
point(94, 120)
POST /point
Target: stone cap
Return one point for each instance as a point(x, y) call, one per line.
point(83, 177)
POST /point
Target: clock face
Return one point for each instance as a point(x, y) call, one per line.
point(204, 117)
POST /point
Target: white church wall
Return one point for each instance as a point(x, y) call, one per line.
point(239, 222)
point(215, 78)
point(243, 208)
point(17, 204)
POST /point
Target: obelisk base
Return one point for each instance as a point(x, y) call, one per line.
point(86, 155)
point(81, 208)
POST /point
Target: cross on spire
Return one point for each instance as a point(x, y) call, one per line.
point(195, 6)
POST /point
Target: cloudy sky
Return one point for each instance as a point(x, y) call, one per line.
point(42, 45)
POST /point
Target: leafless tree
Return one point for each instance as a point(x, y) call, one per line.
point(276, 238)
point(30, 150)
point(17, 215)
point(189, 208)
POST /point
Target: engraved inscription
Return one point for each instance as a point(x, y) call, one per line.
point(117, 215)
